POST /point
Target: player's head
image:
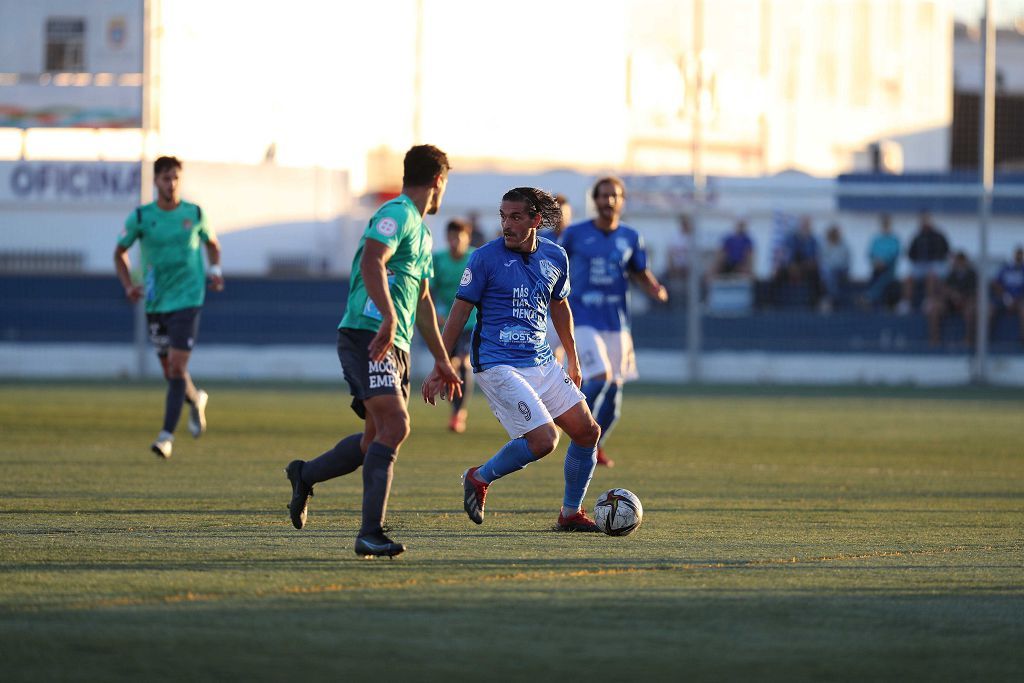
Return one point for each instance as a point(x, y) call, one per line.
point(566, 208)
point(523, 211)
point(167, 178)
point(458, 234)
point(426, 166)
point(609, 194)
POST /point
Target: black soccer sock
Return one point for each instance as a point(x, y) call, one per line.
point(345, 457)
point(191, 393)
point(175, 400)
point(378, 467)
point(466, 375)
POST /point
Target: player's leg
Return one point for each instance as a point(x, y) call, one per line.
point(460, 404)
point(579, 466)
point(622, 360)
point(573, 416)
point(386, 404)
point(532, 433)
point(597, 370)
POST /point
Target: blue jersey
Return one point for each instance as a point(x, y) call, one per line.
point(512, 292)
point(599, 266)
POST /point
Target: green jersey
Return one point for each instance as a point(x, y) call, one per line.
point(447, 275)
point(172, 262)
point(399, 225)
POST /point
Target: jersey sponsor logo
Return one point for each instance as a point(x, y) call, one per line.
point(524, 410)
point(387, 226)
point(467, 277)
point(519, 336)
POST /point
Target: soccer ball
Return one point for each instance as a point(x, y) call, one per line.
point(618, 512)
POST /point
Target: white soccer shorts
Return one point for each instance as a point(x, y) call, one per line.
point(525, 398)
point(604, 352)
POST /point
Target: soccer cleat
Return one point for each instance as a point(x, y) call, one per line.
point(457, 423)
point(163, 445)
point(197, 414)
point(301, 491)
point(474, 494)
point(378, 545)
point(603, 459)
point(576, 522)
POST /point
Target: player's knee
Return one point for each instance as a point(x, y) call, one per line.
point(589, 435)
point(541, 442)
point(394, 431)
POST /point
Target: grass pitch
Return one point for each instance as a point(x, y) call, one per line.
point(816, 537)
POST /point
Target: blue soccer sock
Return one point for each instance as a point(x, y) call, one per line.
point(594, 389)
point(579, 468)
point(513, 456)
point(609, 410)
point(173, 404)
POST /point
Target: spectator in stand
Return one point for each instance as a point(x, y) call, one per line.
point(799, 265)
point(835, 268)
point(1008, 290)
point(929, 263)
point(884, 253)
point(736, 255)
point(477, 237)
point(681, 248)
point(956, 294)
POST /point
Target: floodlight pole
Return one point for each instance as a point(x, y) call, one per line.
point(986, 146)
point(145, 175)
point(693, 278)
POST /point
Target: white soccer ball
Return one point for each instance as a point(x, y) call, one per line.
point(618, 512)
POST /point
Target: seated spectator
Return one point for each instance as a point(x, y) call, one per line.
point(799, 262)
point(1008, 290)
point(681, 248)
point(884, 253)
point(736, 255)
point(957, 294)
point(835, 268)
point(929, 256)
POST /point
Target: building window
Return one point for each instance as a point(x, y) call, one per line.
point(65, 44)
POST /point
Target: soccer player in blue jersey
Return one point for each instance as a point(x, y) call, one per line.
point(513, 282)
point(604, 256)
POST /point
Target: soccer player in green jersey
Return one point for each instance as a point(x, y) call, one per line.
point(170, 232)
point(448, 268)
point(388, 293)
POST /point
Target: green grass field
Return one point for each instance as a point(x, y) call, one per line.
point(809, 536)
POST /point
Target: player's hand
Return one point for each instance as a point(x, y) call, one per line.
point(660, 293)
point(216, 283)
point(449, 378)
point(572, 368)
point(432, 386)
point(383, 341)
point(133, 293)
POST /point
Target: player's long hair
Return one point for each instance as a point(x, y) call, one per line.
point(537, 202)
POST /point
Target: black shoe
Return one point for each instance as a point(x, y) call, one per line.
point(300, 493)
point(378, 545)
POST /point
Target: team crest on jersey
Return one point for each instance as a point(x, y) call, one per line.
point(467, 277)
point(622, 244)
point(524, 409)
point(387, 226)
point(186, 224)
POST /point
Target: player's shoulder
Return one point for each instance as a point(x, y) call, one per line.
point(550, 248)
point(578, 227)
point(488, 251)
point(399, 211)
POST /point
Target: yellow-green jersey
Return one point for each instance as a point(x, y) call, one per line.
point(399, 225)
point(173, 270)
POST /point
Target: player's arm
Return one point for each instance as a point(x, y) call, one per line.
point(427, 324)
point(457, 317)
point(214, 272)
point(561, 318)
point(123, 267)
point(654, 289)
point(373, 269)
